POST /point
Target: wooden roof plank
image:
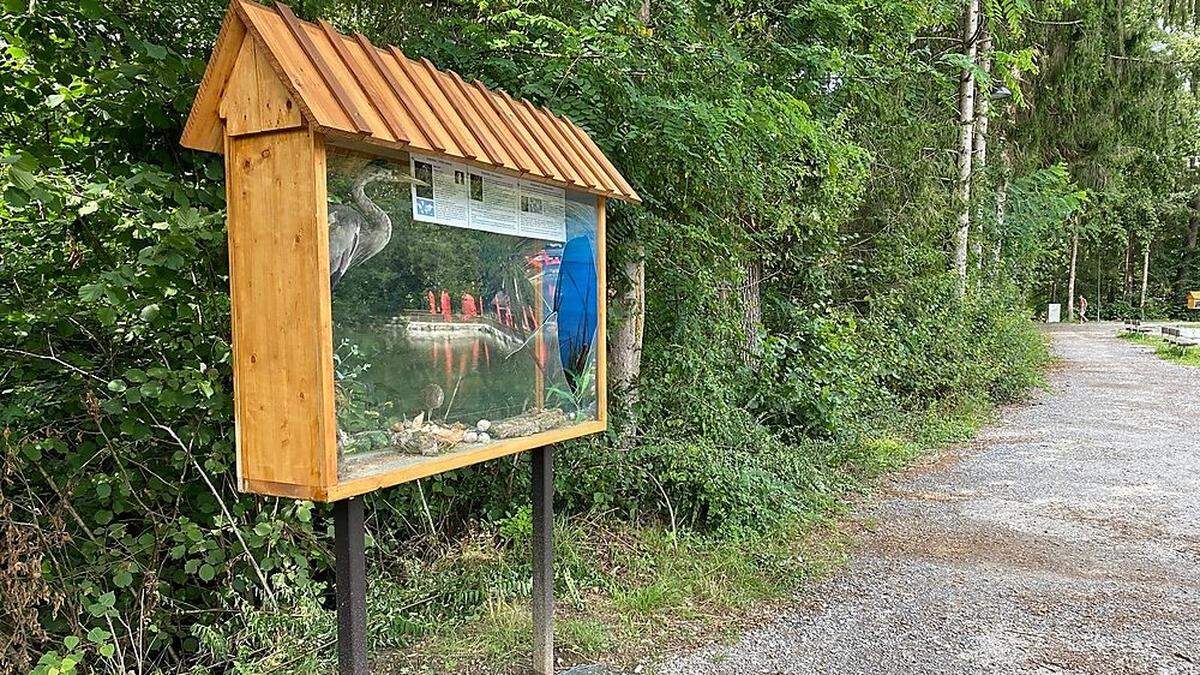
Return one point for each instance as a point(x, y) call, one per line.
point(495, 102)
point(360, 98)
point(442, 109)
point(457, 111)
point(368, 86)
point(506, 148)
point(314, 56)
point(586, 141)
point(526, 112)
point(405, 68)
point(565, 127)
point(526, 134)
point(466, 112)
point(568, 144)
point(431, 139)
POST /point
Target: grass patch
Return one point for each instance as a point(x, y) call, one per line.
point(630, 592)
point(655, 590)
point(1165, 350)
point(626, 592)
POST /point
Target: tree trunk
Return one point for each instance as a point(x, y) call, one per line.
point(1145, 271)
point(749, 297)
point(982, 121)
point(966, 113)
point(1127, 288)
point(625, 355)
point(1001, 208)
point(1071, 277)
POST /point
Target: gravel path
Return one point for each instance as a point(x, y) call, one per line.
point(1065, 538)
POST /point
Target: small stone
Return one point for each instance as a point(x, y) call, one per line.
point(483, 425)
point(470, 437)
point(483, 437)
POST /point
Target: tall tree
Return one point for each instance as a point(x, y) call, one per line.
point(966, 138)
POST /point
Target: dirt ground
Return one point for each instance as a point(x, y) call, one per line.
point(1066, 538)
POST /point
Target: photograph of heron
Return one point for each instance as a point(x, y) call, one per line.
point(446, 338)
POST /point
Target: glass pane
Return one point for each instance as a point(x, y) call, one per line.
point(451, 336)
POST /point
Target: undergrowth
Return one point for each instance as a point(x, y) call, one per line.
point(625, 592)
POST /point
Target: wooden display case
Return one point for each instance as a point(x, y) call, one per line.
point(330, 144)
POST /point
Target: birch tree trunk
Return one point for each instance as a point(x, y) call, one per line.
point(982, 121)
point(1071, 277)
point(966, 113)
point(1001, 206)
point(1145, 271)
point(625, 353)
point(1127, 288)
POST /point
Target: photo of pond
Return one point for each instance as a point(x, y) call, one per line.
point(449, 337)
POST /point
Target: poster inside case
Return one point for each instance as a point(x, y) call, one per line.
point(465, 306)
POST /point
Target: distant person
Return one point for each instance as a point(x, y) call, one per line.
point(1082, 309)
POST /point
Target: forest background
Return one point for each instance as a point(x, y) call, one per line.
point(853, 210)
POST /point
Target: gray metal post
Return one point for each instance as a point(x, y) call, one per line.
point(543, 561)
point(350, 566)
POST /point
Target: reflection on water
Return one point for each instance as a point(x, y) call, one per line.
point(480, 376)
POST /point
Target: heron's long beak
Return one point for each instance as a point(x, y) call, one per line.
point(405, 178)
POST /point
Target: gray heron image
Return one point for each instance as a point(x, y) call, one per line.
point(358, 232)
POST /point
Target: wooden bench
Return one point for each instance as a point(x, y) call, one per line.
point(1135, 326)
point(1180, 337)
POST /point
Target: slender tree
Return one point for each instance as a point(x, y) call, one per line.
point(1071, 276)
point(966, 137)
point(982, 120)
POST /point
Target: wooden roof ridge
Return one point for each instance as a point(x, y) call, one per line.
point(362, 95)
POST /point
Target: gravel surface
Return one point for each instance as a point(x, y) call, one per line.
point(1065, 538)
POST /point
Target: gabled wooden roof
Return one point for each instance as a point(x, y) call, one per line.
point(361, 94)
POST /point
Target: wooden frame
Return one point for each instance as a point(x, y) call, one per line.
point(273, 120)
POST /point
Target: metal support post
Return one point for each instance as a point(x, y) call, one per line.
point(543, 561)
point(351, 579)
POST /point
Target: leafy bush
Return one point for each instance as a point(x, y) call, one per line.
point(127, 546)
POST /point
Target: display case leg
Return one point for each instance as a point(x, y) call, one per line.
point(543, 561)
point(350, 563)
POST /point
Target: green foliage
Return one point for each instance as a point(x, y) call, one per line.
point(796, 140)
point(1112, 104)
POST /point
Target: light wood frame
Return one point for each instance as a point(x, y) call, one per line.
point(277, 93)
point(282, 326)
